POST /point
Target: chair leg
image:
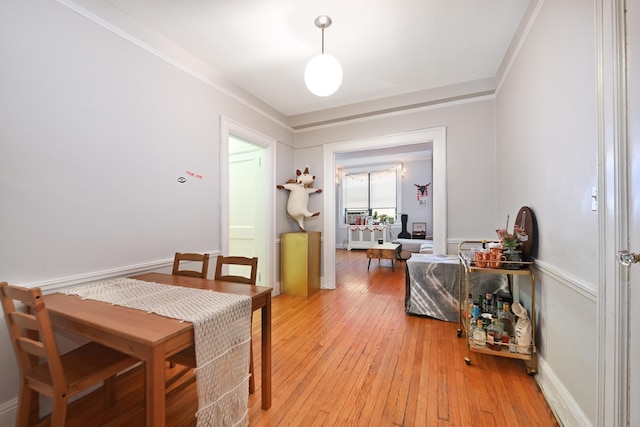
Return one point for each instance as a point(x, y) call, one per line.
point(28, 407)
point(59, 412)
point(252, 381)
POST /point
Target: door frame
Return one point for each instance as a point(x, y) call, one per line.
point(438, 136)
point(230, 127)
point(613, 233)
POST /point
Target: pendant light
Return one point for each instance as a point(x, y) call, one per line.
point(323, 74)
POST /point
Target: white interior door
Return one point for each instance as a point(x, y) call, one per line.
point(246, 204)
point(633, 126)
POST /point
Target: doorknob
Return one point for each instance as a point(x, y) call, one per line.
point(627, 258)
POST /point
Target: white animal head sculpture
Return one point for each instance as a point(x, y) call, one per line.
point(305, 177)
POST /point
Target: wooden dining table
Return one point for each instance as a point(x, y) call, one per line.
point(151, 337)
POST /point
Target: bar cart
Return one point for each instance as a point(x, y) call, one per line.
point(469, 266)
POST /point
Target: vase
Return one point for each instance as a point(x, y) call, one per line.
point(512, 256)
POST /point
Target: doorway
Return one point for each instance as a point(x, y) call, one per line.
point(247, 226)
point(247, 191)
point(437, 136)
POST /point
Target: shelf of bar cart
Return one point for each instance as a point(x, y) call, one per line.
point(510, 268)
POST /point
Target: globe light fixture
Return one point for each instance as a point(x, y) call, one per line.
point(323, 74)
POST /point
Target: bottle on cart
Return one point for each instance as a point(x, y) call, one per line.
point(494, 334)
point(499, 304)
point(488, 303)
point(507, 319)
point(472, 322)
point(467, 307)
point(479, 335)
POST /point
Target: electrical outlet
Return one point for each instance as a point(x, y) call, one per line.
point(594, 198)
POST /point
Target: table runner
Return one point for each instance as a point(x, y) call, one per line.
point(222, 330)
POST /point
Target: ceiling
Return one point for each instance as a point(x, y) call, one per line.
point(387, 48)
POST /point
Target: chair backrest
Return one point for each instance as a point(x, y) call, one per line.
point(30, 331)
point(201, 258)
point(252, 263)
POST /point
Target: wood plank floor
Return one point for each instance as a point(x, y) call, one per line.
point(351, 357)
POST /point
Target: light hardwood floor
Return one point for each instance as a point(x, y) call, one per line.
point(351, 357)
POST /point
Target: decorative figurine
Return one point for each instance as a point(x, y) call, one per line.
point(299, 190)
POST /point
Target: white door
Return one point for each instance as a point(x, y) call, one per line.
point(246, 204)
point(633, 125)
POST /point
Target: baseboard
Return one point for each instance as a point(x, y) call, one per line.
point(8, 411)
point(564, 407)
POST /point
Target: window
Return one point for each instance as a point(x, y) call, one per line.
point(370, 193)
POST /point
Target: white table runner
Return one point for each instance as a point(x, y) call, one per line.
point(222, 329)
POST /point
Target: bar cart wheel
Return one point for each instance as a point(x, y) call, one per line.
point(459, 333)
point(467, 361)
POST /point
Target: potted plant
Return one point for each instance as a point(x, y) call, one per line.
point(510, 243)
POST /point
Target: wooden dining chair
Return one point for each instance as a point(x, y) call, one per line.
point(42, 369)
point(237, 261)
point(187, 357)
point(179, 258)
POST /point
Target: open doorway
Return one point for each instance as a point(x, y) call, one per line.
point(437, 136)
point(247, 191)
point(247, 227)
point(383, 182)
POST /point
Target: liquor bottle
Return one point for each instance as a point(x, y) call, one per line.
point(467, 307)
point(498, 309)
point(473, 322)
point(488, 303)
point(479, 335)
point(494, 334)
point(474, 316)
point(486, 320)
point(507, 319)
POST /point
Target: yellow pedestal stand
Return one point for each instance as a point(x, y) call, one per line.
point(300, 263)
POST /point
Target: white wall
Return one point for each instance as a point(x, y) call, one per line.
point(95, 132)
point(547, 160)
point(470, 134)
point(286, 170)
